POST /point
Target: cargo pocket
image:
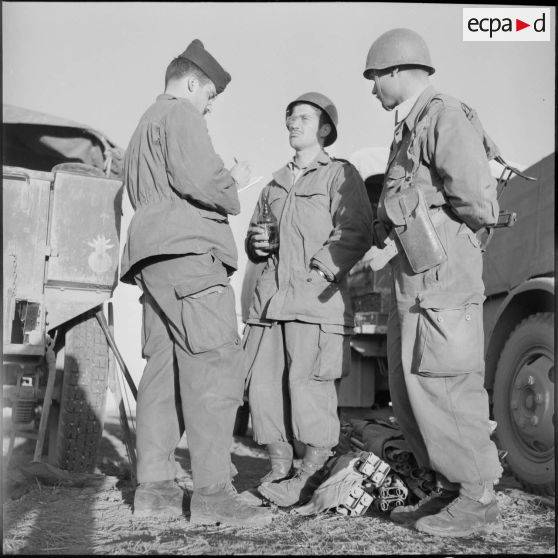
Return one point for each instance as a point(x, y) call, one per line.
point(208, 316)
point(334, 354)
point(450, 334)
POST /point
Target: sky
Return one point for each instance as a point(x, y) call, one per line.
point(103, 64)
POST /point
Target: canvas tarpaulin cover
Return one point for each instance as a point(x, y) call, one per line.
point(39, 141)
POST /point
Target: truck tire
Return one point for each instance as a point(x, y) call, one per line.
point(83, 396)
point(523, 402)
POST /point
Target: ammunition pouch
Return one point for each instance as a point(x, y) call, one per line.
point(408, 212)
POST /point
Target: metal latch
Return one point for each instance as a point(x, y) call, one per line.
point(506, 219)
point(51, 252)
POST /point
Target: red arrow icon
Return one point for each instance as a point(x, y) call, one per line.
point(519, 25)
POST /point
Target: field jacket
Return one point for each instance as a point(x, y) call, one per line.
point(325, 220)
point(449, 164)
point(178, 187)
point(439, 311)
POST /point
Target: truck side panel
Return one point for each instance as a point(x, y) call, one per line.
point(85, 231)
point(527, 249)
point(25, 199)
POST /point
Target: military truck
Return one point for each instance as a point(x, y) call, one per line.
point(518, 322)
point(62, 196)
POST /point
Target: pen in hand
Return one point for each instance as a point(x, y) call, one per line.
point(255, 181)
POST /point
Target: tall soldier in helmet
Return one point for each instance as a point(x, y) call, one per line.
point(438, 191)
point(180, 251)
point(300, 318)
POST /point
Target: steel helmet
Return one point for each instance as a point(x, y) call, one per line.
point(396, 48)
point(322, 102)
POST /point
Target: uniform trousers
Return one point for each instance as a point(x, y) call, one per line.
point(194, 376)
point(436, 362)
point(293, 367)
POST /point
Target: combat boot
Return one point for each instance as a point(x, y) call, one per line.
point(299, 488)
point(281, 458)
point(464, 516)
point(429, 505)
point(220, 503)
point(159, 499)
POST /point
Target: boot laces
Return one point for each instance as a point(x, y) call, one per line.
point(236, 500)
point(448, 509)
point(295, 478)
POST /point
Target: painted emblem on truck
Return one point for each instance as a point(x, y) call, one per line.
point(99, 260)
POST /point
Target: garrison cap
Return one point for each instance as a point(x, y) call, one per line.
point(197, 54)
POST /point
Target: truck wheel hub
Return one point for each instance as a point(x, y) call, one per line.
point(532, 403)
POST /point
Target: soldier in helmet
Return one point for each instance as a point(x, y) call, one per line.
point(300, 318)
point(439, 188)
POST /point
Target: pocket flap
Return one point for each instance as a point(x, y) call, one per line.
point(311, 189)
point(448, 300)
point(197, 284)
point(212, 215)
point(401, 205)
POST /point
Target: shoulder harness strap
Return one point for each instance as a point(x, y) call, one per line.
point(423, 122)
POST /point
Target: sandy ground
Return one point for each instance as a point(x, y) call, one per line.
point(92, 515)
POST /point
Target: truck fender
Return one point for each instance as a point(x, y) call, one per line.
point(531, 296)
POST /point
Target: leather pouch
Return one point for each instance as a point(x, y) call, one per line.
point(408, 212)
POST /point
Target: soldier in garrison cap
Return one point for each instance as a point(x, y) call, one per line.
point(297, 337)
point(180, 251)
point(435, 329)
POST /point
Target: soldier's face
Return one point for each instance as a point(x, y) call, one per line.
point(203, 97)
point(303, 124)
point(386, 88)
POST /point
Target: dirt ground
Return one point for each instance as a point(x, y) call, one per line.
point(92, 515)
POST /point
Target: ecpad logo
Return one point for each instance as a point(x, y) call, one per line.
point(506, 24)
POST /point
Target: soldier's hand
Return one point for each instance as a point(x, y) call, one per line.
point(259, 241)
point(241, 173)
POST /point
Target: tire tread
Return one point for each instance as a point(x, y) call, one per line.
point(84, 391)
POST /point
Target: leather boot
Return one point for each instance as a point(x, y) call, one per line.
point(220, 503)
point(431, 504)
point(281, 458)
point(465, 516)
point(159, 499)
point(299, 488)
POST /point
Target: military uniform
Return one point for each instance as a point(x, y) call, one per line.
point(435, 330)
point(297, 339)
point(180, 251)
